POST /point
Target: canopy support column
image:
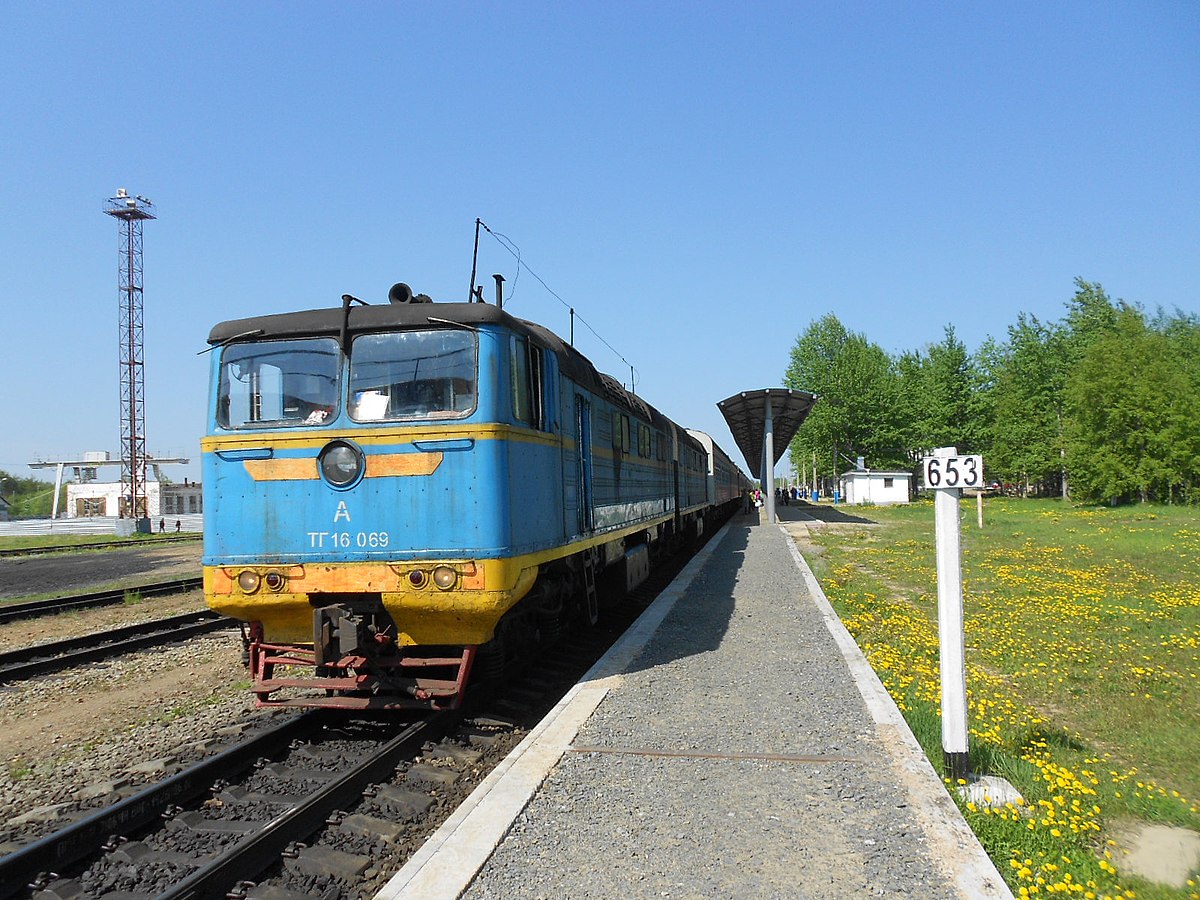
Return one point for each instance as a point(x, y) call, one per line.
point(768, 463)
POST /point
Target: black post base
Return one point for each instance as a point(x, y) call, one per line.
point(957, 765)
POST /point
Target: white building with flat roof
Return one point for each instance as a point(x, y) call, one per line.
point(103, 498)
point(861, 486)
point(89, 498)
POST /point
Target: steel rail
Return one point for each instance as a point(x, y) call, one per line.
point(41, 659)
point(96, 545)
point(254, 853)
point(84, 838)
point(10, 612)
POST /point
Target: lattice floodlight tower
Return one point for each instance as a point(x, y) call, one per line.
point(132, 212)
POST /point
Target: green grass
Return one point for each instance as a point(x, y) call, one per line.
point(18, 768)
point(21, 542)
point(1083, 648)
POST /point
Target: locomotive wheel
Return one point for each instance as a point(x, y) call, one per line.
point(489, 661)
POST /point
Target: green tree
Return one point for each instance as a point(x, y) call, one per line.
point(1091, 315)
point(28, 497)
point(986, 363)
point(1026, 432)
point(936, 396)
point(911, 403)
point(857, 412)
point(1133, 403)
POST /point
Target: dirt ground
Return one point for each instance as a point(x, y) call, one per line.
point(47, 721)
point(27, 632)
point(33, 576)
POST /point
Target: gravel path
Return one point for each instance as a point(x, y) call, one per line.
point(743, 664)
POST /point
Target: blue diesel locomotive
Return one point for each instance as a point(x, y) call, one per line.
point(396, 493)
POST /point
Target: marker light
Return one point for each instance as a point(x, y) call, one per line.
point(274, 580)
point(341, 463)
point(248, 581)
point(444, 577)
point(416, 578)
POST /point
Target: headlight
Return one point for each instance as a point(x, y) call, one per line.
point(444, 577)
point(248, 581)
point(341, 463)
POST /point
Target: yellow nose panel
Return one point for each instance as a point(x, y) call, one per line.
point(380, 465)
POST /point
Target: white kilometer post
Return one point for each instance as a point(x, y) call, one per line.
point(947, 474)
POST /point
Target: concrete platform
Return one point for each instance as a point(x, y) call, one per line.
point(735, 743)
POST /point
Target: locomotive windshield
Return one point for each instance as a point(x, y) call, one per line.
point(413, 374)
point(279, 383)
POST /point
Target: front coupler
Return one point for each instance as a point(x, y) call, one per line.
point(353, 664)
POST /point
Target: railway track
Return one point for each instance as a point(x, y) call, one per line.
point(318, 807)
point(211, 829)
point(43, 659)
point(97, 545)
point(39, 862)
point(10, 612)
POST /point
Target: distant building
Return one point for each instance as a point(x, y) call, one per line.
point(865, 486)
point(3, 510)
point(88, 498)
point(96, 498)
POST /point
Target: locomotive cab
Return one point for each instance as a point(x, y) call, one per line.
point(353, 470)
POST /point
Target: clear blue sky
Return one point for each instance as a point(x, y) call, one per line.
point(700, 181)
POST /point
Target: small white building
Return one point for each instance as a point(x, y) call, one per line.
point(860, 486)
point(163, 499)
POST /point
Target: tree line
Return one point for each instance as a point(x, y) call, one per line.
point(27, 497)
point(1102, 405)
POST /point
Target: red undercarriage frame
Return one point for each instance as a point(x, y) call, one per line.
point(356, 682)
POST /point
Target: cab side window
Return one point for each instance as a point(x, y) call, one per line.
point(528, 383)
point(620, 431)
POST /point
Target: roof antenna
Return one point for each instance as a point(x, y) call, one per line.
point(346, 301)
point(472, 294)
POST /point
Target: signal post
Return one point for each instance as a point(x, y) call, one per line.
point(946, 474)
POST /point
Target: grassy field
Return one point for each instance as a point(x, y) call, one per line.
point(1083, 653)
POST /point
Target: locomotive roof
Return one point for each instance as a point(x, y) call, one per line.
point(384, 317)
point(381, 317)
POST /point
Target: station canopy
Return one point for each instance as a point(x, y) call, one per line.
point(746, 414)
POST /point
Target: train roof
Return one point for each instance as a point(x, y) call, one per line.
point(380, 317)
